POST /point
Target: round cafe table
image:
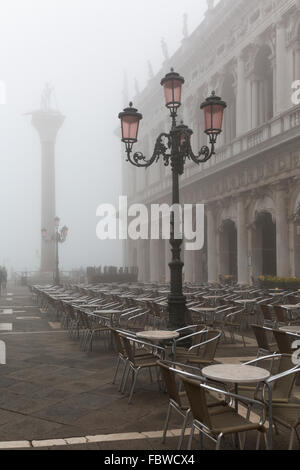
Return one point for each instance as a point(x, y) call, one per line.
point(239, 374)
point(236, 373)
point(295, 329)
point(206, 311)
point(156, 336)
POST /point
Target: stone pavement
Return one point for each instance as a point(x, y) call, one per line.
point(53, 392)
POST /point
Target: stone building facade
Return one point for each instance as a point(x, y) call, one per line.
point(249, 52)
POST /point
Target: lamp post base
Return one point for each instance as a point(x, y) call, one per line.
point(177, 312)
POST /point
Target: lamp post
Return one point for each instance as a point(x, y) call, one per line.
point(59, 236)
point(174, 148)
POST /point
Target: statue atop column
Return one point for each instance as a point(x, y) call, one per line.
point(46, 97)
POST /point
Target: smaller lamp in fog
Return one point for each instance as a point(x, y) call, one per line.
point(213, 108)
point(130, 120)
point(172, 84)
point(44, 233)
point(57, 222)
point(64, 233)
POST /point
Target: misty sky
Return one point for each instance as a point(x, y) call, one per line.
point(82, 47)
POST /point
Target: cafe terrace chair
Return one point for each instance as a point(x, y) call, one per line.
point(122, 355)
point(284, 341)
point(282, 316)
point(136, 364)
point(264, 346)
point(269, 318)
point(286, 414)
point(92, 325)
point(202, 350)
point(178, 400)
point(216, 423)
point(230, 320)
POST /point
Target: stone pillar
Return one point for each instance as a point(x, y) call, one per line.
point(281, 69)
point(141, 260)
point(167, 260)
point(241, 119)
point(189, 266)
point(154, 261)
point(212, 246)
point(297, 61)
point(47, 123)
point(282, 232)
point(254, 106)
point(242, 243)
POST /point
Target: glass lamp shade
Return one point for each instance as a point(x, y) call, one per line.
point(172, 84)
point(44, 232)
point(57, 221)
point(130, 120)
point(213, 108)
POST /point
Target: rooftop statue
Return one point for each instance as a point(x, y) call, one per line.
point(46, 97)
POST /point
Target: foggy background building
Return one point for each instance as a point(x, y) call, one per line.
point(83, 49)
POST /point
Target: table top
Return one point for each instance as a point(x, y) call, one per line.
point(291, 329)
point(204, 309)
point(236, 373)
point(108, 312)
point(158, 335)
point(291, 307)
point(212, 297)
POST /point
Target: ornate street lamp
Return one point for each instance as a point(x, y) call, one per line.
point(60, 236)
point(174, 148)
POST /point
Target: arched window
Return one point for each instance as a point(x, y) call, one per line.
point(262, 87)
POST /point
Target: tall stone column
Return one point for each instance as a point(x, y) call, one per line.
point(297, 61)
point(282, 231)
point(189, 266)
point(141, 260)
point(47, 122)
point(254, 107)
point(281, 62)
point(241, 124)
point(154, 261)
point(212, 246)
point(242, 242)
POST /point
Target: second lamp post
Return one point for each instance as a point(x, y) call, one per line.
point(174, 148)
point(59, 236)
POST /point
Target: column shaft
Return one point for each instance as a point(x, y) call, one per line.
point(242, 235)
point(212, 247)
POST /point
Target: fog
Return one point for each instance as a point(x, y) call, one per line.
point(83, 47)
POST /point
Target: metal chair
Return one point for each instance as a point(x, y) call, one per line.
point(137, 363)
point(261, 336)
point(213, 423)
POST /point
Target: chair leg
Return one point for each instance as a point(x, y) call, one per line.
point(191, 437)
point(186, 418)
point(266, 441)
point(167, 423)
point(136, 372)
point(219, 441)
point(123, 377)
point(297, 434)
point(292, 438)
point(258, 440)
point(117, 369)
